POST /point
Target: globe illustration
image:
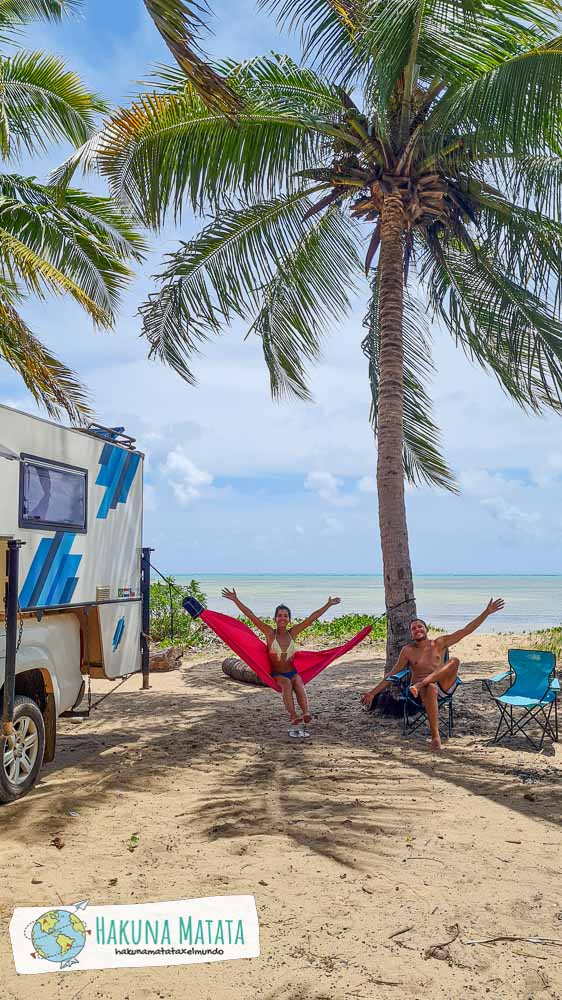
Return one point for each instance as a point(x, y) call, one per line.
point(59, 936)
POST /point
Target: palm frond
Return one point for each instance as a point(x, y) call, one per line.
point(168, 149)
point(279, 82)
point(84, 159)
point(375, 41)
point(530, 181)
point(64, 241)
point(525, 244)
point(281, 99)
point(41, 101)
point(220, 274)
point(179, 23)
point(517, 102)
point(53, 386)
point(423, 461)
point(326, 28)
point(498, 322)
point(16, 13)
point(309, 295)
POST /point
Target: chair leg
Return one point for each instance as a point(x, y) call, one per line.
point(547, 728)
point(499, 735)
point(508, 726)
point(534, 715)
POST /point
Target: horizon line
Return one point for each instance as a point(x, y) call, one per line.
point(195, 573)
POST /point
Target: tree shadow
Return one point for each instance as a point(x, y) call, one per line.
point(338, 795)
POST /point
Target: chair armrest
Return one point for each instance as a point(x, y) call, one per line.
point(498, 677)
point(397, 678)
point(555, 684)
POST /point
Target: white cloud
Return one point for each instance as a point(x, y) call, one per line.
point(299, 530)
point(520, 521)
point(328, 487)
point(187, 481)
point(505, 499)
point(549, 470)
point(481, 483)
point(368, 484)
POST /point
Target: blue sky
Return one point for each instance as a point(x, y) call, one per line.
point(237, 483)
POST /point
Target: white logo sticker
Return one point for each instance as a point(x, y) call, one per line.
point(181, 932)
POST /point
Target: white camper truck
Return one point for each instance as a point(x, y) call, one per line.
point(73, 583)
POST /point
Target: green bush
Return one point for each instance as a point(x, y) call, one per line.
point(549, 639)
point(170, 625)
point(177, 628)
point(341, 628)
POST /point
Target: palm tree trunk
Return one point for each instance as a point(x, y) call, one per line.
point(397, 569)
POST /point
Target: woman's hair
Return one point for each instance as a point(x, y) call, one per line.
point(282, 607)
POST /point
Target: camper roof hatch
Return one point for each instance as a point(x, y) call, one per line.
point(114, 434)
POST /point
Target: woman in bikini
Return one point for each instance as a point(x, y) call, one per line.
point(281, 648)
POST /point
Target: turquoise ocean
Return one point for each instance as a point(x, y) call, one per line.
point(531, 602)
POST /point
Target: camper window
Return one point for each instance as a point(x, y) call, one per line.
point(52, 495)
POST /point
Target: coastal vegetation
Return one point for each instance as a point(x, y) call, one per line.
point(170, 625)
point(549, 639)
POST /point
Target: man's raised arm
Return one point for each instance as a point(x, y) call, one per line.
point(490, 609)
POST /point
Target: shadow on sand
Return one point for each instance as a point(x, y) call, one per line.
point(338, 794)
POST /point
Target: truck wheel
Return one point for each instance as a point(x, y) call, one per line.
point(20, 762)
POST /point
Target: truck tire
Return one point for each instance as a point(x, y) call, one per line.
point(20, 765)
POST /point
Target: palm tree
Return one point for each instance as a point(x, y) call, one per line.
point(53, 239)
point(419, 144)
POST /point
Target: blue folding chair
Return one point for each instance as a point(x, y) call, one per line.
point(533, 688)
point(414, 714)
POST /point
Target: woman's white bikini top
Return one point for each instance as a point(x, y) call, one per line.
point(275, 648)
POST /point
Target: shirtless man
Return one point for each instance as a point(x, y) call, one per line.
point(425, 658)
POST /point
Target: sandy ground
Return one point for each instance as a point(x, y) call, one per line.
point(345, 840)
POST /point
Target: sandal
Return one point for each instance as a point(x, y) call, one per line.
point(295, 723)
point(299, 734)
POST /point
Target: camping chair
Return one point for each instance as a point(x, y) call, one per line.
point(533, 688)
point(414, 714)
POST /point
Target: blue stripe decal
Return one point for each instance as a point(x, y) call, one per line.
point(128, 480)
point(34, 571)
point(107, 472)
point(66, 571)
point(68, 592)
point(64, 548)
point(53, 560)
point(118, 482)
point(105, 455)
point(117, 472)
point(120, 628)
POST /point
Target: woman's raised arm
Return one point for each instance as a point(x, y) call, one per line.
point(297, 629)
point(231, 595)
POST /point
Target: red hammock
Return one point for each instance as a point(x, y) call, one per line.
point(254, 652)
